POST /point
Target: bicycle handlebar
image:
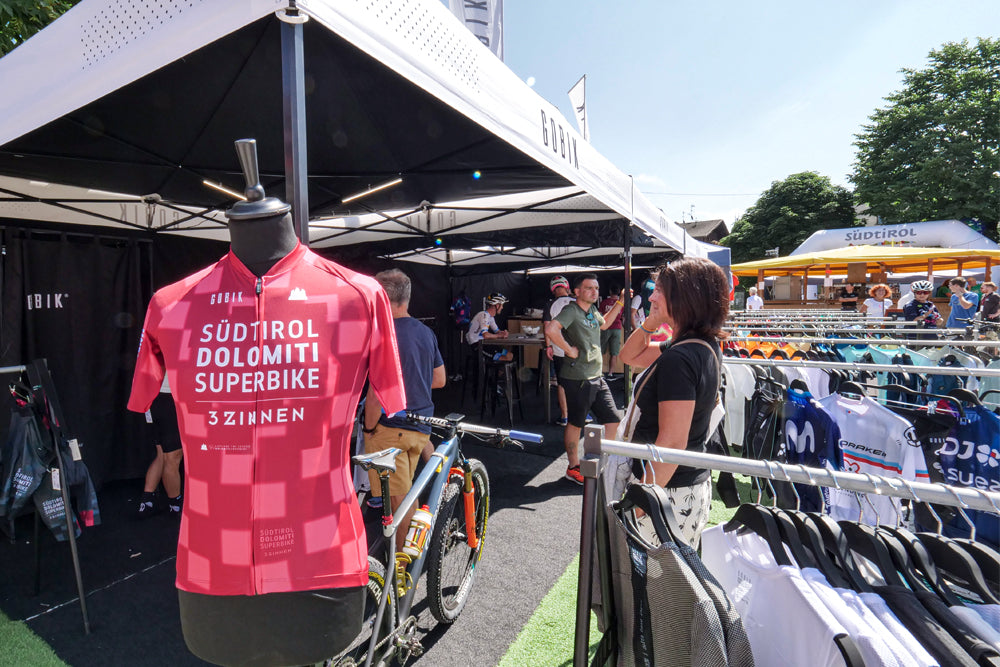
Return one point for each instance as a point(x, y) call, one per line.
point(455, 421)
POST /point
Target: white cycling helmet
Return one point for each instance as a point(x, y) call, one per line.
point(921, 286)
point(496, 299)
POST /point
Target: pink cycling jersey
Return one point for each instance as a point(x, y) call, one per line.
point(266, 374)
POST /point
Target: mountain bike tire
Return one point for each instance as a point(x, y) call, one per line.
point(355, 654)
point(451, 563)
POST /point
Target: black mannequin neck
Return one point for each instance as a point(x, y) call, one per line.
point(262, 243)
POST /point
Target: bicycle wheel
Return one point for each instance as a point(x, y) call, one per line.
point(451, 563)
point(355, 654)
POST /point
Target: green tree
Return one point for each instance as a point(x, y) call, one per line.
point(933, 153)
point(20, 19)
point(788, 213)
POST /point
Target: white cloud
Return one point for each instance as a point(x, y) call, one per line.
point(530, 81)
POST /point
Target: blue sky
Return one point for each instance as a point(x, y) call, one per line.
point(722, 97)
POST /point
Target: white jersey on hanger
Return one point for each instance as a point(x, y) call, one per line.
point(878, 606)
point(869, 633)
point(740, 385)
point(785, 620)
point(874, 440)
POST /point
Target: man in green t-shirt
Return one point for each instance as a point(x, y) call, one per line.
point(577, 330)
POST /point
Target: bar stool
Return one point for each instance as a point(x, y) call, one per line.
point(470, 372)
point(511, 386)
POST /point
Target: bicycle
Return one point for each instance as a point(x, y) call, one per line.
point(453, 550)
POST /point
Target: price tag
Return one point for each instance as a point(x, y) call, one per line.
point(56, 484)
point(74, 449)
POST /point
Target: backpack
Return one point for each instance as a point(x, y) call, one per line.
point(461, 311)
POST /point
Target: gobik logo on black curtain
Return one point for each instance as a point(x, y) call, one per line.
point(76, 302)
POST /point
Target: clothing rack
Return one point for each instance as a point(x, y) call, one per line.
point(41, 381)
point(858, 341)
point(838, 365)
point(842, 330)
point(595, 447)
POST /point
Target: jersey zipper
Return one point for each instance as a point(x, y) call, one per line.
point(257, 584)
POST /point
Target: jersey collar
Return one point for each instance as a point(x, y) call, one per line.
point(284, 264)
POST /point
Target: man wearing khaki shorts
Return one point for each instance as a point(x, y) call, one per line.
point(423, 370)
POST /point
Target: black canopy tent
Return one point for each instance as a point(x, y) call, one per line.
point(146, 100)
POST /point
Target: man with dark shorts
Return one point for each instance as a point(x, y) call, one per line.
point(423, 370)
point(577, 330)
point(166, 467)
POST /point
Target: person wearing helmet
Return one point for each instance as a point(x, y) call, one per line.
point(559, 287)
point(484, 325)
point(921, 309)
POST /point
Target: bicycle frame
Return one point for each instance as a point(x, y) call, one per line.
point(433, 477)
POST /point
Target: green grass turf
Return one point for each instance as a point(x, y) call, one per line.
point(547, 639)
point(22, 647)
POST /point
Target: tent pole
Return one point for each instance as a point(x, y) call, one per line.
point(627, 297)
point(294, 108)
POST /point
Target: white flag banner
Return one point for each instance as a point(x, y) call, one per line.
point(578, 98)
point(484, 18)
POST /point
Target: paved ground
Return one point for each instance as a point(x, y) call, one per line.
point(128, 566)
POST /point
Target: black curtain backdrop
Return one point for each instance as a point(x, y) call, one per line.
point(77, 301)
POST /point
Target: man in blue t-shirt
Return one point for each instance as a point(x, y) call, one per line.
point(423, 370)
point(963, 303)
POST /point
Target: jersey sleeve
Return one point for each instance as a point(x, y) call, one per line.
point(912, 464)
point(149, 367)
point(383, 357)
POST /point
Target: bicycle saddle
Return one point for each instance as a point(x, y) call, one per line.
point(383, 460)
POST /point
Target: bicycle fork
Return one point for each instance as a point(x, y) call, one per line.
point(469, 501)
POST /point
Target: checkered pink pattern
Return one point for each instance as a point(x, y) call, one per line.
point(265, 388)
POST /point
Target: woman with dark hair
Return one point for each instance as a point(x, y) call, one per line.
point(676, 395)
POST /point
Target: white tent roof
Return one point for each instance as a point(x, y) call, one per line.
point(100, 48)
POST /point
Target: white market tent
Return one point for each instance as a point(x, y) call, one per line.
point(146, 99)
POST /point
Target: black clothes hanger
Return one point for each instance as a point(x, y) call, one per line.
point(916, 564)
point(850, 387)
point(812, 541)
point(799, 384)
point(967, 395)
point(652, 500)
point(958, 565)
point(790, 536)
point(865, 541)
point(986, 557)
point(837, 547)
point(758, 519)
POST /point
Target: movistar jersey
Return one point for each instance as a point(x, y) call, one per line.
point(266, 374)
point(812, 439)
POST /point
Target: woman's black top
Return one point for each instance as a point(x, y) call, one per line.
point(683, 373)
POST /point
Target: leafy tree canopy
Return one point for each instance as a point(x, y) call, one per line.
point(933, 153)
point(20, 19)
point(788, 213)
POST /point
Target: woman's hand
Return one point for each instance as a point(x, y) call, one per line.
point(656, 318)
